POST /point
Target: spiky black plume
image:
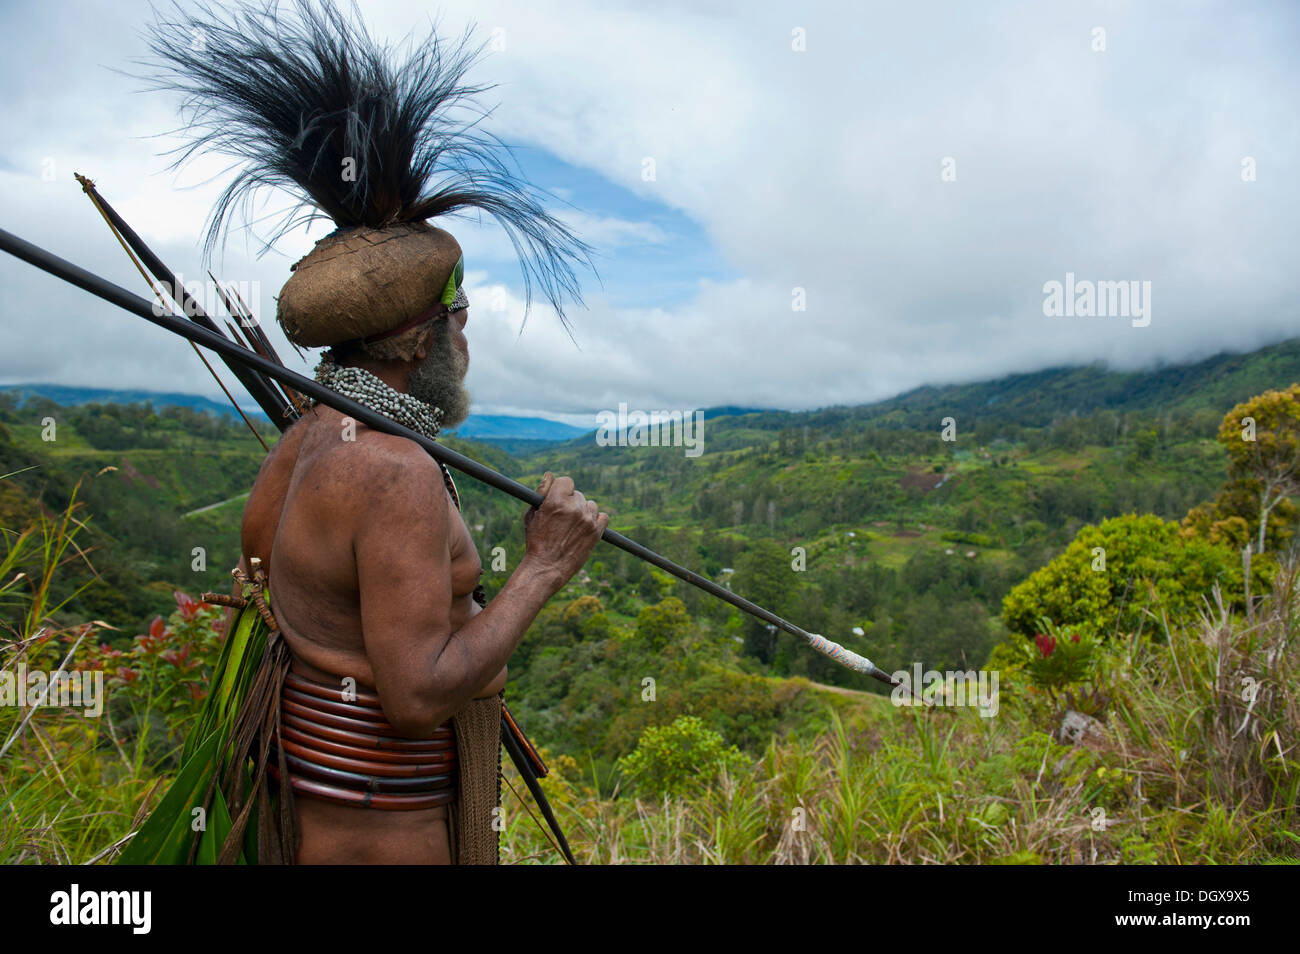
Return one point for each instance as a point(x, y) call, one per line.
point(299, 98)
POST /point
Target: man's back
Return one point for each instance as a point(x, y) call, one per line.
point(312, 493)
point(310, 496)
point(372, 574)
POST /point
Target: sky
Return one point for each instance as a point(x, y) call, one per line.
point(793, 205)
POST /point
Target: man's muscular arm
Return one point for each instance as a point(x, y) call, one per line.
point(424, 671)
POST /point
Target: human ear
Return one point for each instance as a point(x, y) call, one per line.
point(425, 346)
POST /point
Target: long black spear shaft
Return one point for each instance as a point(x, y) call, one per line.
point(88, 281)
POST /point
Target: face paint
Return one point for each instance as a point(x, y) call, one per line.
point(452, 296)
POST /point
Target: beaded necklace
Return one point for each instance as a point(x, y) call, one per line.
point(365, 388)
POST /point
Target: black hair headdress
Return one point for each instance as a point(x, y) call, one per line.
point(295, 96)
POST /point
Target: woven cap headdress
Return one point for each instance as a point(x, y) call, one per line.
point(377, 138)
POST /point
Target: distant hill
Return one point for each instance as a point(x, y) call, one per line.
point(497, 427)
point(480, 427)
point(526, 435)
point(1033, 399)
point(68, 395)
point(731, 410)
point(1038, 398)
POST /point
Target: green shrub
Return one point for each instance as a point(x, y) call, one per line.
point(1148, 565)
point(962, 536)
point(679, 758)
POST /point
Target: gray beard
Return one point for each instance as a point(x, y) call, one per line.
point(440, 378)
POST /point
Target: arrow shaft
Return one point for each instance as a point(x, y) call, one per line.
point(263, 392)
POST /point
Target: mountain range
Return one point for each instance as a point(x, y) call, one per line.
point(1029, 399)
point(484, 427)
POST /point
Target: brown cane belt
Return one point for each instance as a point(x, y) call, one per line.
point(343, 750)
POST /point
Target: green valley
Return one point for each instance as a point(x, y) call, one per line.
point(863, 524)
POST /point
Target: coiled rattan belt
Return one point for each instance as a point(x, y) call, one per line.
point(345, 751)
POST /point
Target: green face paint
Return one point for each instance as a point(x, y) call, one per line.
point(454, 282)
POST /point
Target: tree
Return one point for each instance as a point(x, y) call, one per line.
point(1262, 437)
point(764, 576)
point(1254, 509)
point(663, 624)
point(678, 758)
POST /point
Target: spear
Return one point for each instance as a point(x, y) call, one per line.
point(114, 294)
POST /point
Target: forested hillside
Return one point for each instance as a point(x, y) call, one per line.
point(911, 537)
point(909, 530)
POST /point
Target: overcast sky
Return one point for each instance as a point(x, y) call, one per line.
point(1169, 156)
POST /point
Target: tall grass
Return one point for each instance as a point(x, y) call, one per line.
point(58, 800)
point(1194, 759)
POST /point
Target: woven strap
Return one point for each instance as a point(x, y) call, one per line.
point(478, 744)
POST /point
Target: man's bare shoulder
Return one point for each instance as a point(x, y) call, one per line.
point(284, 451)
point(380, 467)
point(266, 498)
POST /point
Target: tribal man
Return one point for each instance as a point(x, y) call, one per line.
point(374, 574)
point(372, 723)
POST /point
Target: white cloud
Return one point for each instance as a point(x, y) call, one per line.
point(818, 169)
point(606, 232)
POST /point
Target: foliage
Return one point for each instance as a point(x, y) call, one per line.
point(1203, 716)
point(764, 577)
point(1112, 575)
point(1196, 761)
point(679, 757)
point(1262, 438)
point(662, 624)
point(1059, 658)
point(159, 678)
